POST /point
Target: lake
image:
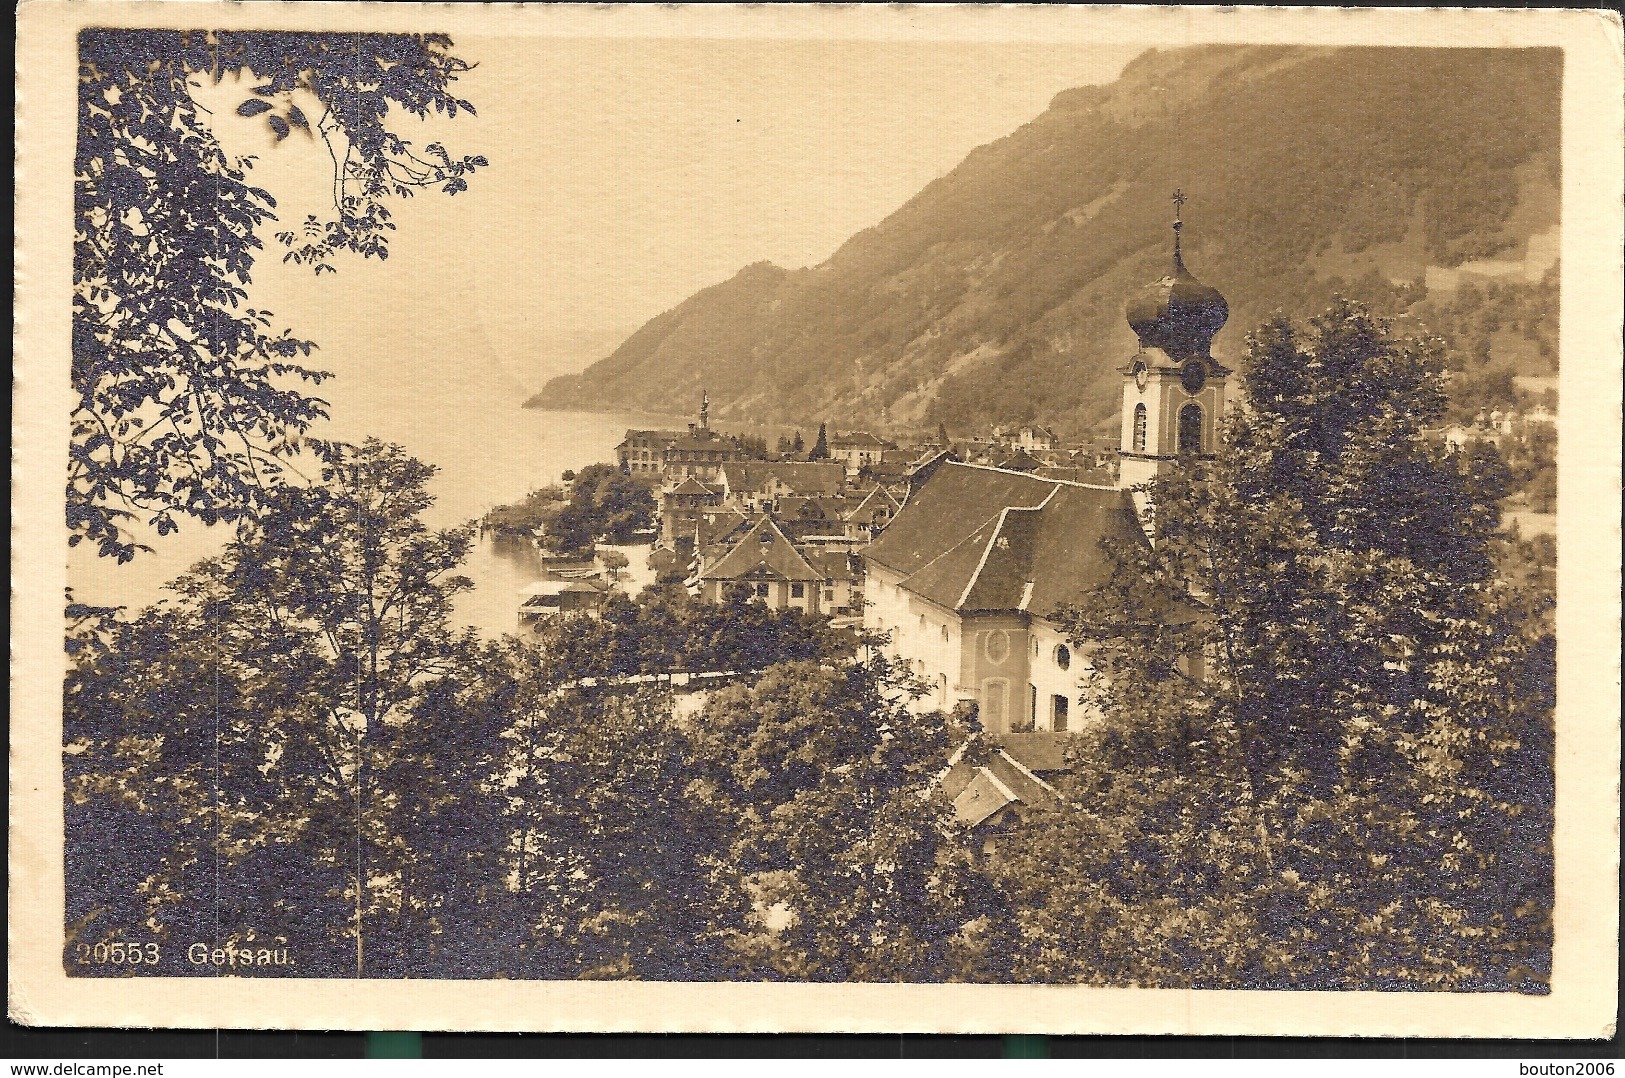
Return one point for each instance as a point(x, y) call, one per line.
point(489, 451)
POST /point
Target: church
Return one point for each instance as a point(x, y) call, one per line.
point(969, 577)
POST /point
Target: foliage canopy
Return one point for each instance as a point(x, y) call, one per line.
point(188, 400)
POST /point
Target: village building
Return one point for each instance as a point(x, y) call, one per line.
point(707, 529)
point(682, 506)
point(1032, 438)
point(778, 573)
point(868, 516)
point(971, 576)
point(1029, 437)
point(1021, 461)
point(701, 453)
point(857, 450)
point(672, 456)
point(810, 519)
point(985, 783)
point(643, 452)
point(547, 599)
point(756, 486)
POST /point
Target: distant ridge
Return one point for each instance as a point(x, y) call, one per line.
point(996, 293)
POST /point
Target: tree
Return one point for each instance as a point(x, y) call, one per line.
point(608, 859)
point(820, 449)
point(187, 400)
point(666, 630)
point(798, 446)
point(277, 701)
point(614, 563)
point(1323, 762)
point(604, 504)
point(837, 860)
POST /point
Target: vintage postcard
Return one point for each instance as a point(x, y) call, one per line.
point(984, 519)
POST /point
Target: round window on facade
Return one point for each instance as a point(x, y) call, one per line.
point(1063, 656)
point(997, 646)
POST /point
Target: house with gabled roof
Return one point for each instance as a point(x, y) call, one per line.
point(1032, 436)
point(857, 450)
point(869, 517)
point(804, 518)
point(757, 485)
point(1021, 461)
point(986, 782)
point(776, 572)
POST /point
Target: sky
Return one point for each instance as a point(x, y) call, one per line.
point(625, 175)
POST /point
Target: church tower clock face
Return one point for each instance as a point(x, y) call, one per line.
point(1141, 373)
point(1193, 377)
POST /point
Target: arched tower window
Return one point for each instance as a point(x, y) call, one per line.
point(1139, 428)
point(1190, 428)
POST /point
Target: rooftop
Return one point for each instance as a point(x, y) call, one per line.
point(763, 552)
point(974, 538)
point(807, 478)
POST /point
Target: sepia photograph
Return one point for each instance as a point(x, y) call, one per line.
point(562, 501)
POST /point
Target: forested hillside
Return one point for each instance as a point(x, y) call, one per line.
point(996, 294)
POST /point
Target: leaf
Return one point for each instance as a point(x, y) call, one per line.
point(280, 126)
point(297, 118)
point(253, 107)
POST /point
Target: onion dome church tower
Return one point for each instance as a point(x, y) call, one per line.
point(1173, 388)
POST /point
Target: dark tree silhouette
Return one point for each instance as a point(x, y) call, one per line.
point(1323, 761)
point(820, 449)
point(276, 703)
point(187, 399)
point(605, 504)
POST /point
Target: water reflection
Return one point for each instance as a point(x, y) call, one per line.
point(499, 565)
point(507, 453)
point(503, 566)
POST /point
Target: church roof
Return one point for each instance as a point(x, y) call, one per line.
point(1177, 313)
point(981, 539)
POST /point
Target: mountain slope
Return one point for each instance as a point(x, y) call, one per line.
point(996, 293)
